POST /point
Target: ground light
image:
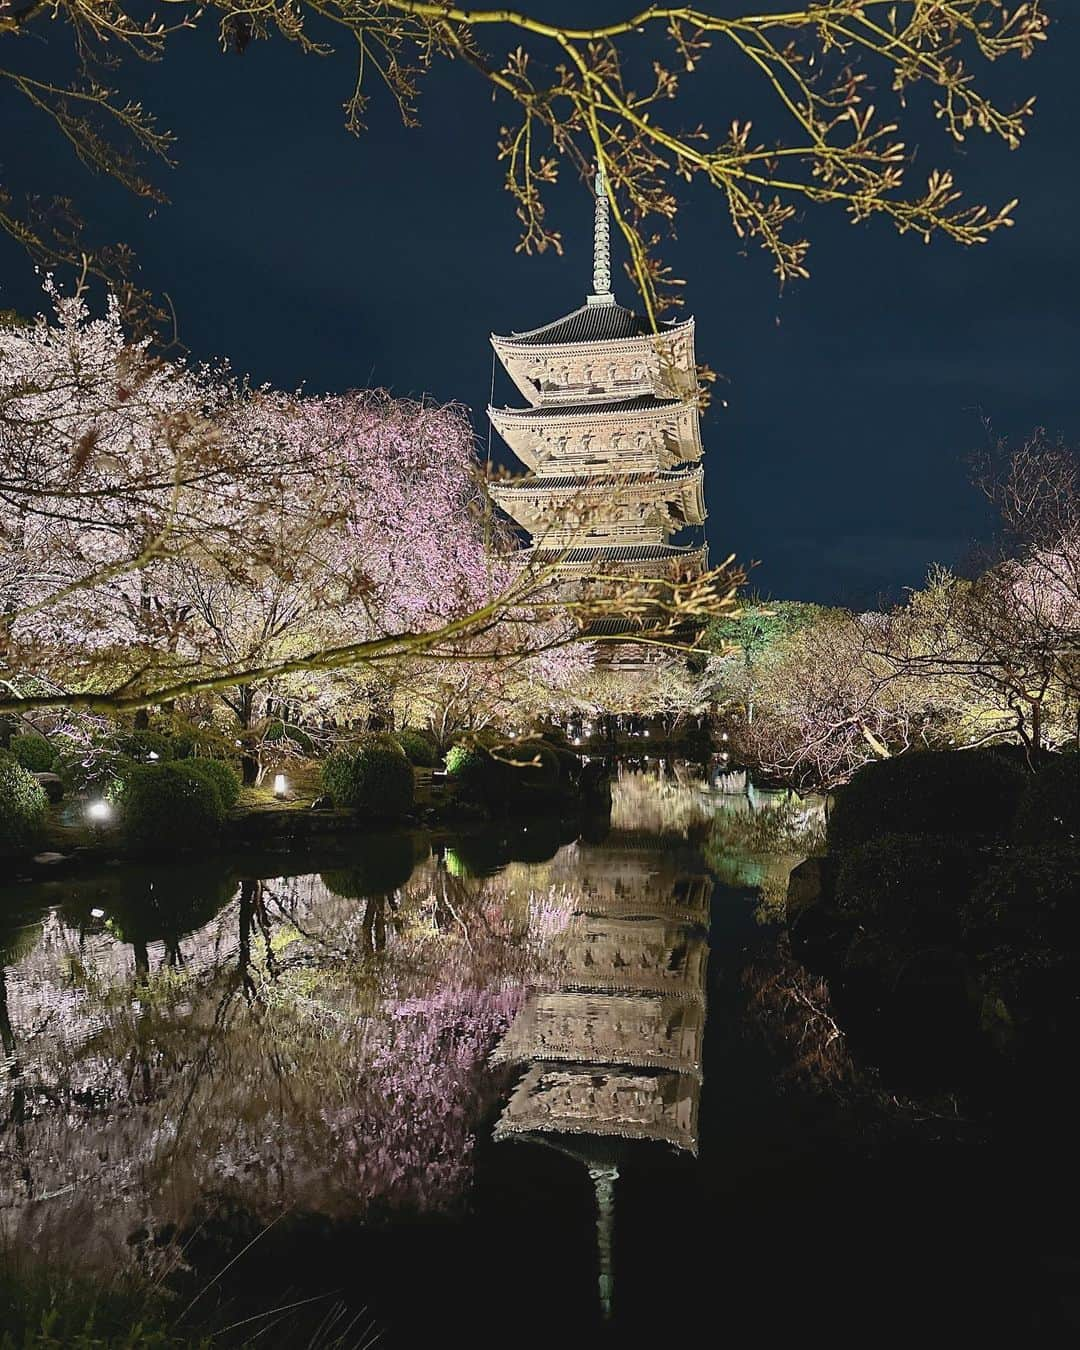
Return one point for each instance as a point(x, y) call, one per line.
point(281, 785)
point(99, 812)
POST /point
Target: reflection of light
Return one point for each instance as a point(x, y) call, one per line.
point(99, 811)
point(281, 785)
point(97, 913)
point(645, 733)
point(724, 737)
point(152, 755)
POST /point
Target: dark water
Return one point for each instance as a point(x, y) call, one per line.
point(539, 1086)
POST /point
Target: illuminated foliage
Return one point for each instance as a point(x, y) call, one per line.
point(167, 533)
point(836, 79)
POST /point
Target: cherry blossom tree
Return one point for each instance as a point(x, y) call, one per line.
point(825, 704)
point(169, 533)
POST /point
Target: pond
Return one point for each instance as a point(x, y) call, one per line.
point(535, 1085)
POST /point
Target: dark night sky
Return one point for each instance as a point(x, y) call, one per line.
point(307, 256)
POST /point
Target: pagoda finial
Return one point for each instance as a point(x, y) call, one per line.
point(601, 278)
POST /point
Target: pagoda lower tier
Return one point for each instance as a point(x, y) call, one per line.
point(644, 560)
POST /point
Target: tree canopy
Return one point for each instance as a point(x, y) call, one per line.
point(836, 81)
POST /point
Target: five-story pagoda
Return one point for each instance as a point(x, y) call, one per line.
point(610, 438)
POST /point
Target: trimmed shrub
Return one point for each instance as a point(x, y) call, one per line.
point(471, 766)
point(528, 766)
point(1029, 897)
point(962, 794)
point(223, 776)
point(1024, 924)
point(1012, 752)
point(383, 868)
point(902, 883)
point(1050, 807)
point(373, 775)
point(419, 747)
point(167, 806)
point(23, 806)
point(33, 752)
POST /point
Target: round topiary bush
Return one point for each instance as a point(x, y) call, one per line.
point(1029, 897)
point(168, 806)
point(1023, 924)
point(902, 883)
point(419, 747)
point(223, 776)
point(33, 752)
point(373, 775)
point(472, 768)
point(964, 794)
point(23, 806)
point(528, 767)
point(1050, 807)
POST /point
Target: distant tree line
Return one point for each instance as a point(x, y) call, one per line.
point(813, 693)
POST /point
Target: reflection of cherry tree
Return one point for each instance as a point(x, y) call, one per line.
point(287, 1062)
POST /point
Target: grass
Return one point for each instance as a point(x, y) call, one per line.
point(53, 1310)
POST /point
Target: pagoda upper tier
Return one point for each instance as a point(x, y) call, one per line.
point(600, 353)
point(637, 434)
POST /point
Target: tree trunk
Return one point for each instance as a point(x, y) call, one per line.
point(249, 762)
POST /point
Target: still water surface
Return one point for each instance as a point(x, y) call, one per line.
point(543, 1085)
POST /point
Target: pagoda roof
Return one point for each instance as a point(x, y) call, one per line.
point(586, 481)
point(608, 322)
point(590, 412)
point(622, 553)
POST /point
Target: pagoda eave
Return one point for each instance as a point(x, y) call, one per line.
point(649, 560)
point(660, 432)
point(594, 372)
point(678, 496)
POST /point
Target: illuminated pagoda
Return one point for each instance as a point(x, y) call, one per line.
point(610, 438)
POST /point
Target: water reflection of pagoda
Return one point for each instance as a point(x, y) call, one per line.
point(614, 1052)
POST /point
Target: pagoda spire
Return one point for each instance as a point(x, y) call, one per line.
point(601, 277)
